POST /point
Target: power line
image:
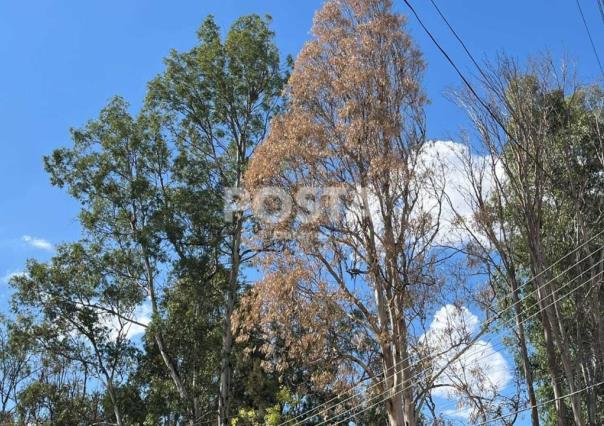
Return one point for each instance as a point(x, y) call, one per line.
point(453, 406)
point(455, 67)
point(501, 346)
point(465, 48)
point(556, 380)
point(495, 349)
point(591, 40)
point(463, 45)
point(486, 106)
point(544, 403)
point(333, 402)
point(405, 388)
point(486, 325)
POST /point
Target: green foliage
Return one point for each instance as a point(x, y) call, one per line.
point(271, 416)
point(573, 183)
point(150, 187)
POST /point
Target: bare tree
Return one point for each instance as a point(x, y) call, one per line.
point(522, 123)
point(489, 241)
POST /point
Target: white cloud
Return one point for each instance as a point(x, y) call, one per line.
point(457, 323)
point(38, 243)
point(480, 370)
point(143, 316)
point(448, 160)
point(10, 275)
point(127, 325)
point(443, 189)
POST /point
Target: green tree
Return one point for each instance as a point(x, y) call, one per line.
point(15, 367)
point(79, 311)
point(542, 134)
point(138, 217)
point(60, 393)
point(220, 97)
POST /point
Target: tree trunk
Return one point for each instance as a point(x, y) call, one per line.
point(400, 407)
point(391, 369)
point(408, 401)
point(554, 368)
point(538, 266)
point(159, 340)
point(526, 365)
point(116, 408)
point(393, 387)
point(554, 332)
point(406, 375)
point(224, 400)
point(180, 387)
point(394, 410)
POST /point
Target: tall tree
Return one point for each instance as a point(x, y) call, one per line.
point(534, 129)
point(354, 124)
point(220, 97)
point(15, 368)
point(139, 218)
point(60, 391)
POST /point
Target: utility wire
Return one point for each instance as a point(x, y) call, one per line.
point(543, 403)
point(453, 406)
point(456, 68)
point(495, 349)
point(389, 391)
point(518, 411)
point(463, 45)
point(486, 106)
point(333, 402)
point(500, 346)
point(486, 325)
point(591, 40)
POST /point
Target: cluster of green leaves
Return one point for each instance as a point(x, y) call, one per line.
point(154, 240)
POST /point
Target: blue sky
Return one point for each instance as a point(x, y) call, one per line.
point(63, 60)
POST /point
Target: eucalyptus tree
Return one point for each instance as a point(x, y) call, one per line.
point(79, 312)
point(16, 368)
point(219, 98)
point(540, 132)
point(56, 396)
point(137, 214)
point(353, 280)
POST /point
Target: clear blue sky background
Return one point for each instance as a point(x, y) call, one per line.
point(61, 61)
